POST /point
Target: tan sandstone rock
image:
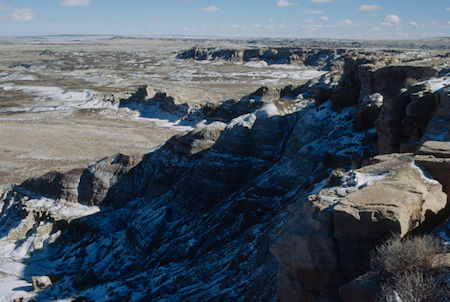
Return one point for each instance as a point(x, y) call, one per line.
point(397, 203)
point(328, 239)
point(40, 282)
point(307, 253)
point(435, 157)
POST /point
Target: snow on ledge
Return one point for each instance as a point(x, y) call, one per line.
point(424, 174)
point(368, 179)
point(268, 110)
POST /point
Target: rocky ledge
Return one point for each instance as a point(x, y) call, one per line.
point(327, 241)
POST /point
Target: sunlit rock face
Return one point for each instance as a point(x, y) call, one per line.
point(328, 240)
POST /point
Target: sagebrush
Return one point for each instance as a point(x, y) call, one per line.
point(405, 268)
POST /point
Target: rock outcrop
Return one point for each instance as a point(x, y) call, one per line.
point(328, 240)
point(326, 59)
point(434, 156)
point(94, 185)
point(403, 121)
point(389, 96)
point(41, 282)
point(367, 111)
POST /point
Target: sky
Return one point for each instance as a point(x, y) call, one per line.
point(352, 19)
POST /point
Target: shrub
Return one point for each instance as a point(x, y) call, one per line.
point(406, 271)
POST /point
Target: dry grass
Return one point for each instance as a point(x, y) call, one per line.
point(405, 268)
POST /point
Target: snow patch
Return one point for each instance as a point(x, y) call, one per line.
point(268, 110)
point(17, 76)
point(424, 174)
point(368, 179)
point(439, 83)
point(246, 120)
point(257, 64)
point(55, 93)
point(350, 183)
point(62, 208)
point(14, 254)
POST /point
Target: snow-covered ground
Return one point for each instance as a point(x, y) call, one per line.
point(28, 236)
point(52, 98)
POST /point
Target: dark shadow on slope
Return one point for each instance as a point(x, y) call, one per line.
point(162, 181)
point(13, 214)
point(23, 288)
point(196, 181)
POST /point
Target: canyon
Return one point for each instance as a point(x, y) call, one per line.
point(173, 170)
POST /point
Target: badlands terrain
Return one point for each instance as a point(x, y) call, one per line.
point(52, 109)
point(138, 169)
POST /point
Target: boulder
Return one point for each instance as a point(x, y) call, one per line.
point(307, 253)
point(40, 282)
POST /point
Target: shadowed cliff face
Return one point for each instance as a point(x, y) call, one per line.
point(394, 98)
point(196, 218)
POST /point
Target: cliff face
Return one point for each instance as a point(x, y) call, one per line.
point(197, 218)
point(326, 59)
point(327, 241)
point(397, 99)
